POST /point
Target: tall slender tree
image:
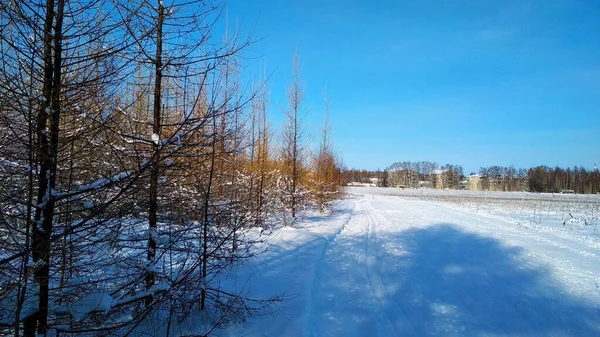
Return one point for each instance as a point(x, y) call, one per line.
point(292, 156)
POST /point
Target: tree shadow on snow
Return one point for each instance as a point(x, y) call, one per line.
point(450, 282)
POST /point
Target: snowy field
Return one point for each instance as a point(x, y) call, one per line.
point(389, 262)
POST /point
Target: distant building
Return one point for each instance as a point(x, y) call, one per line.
point(474, 182)
point(439, 180)
point(404, 178)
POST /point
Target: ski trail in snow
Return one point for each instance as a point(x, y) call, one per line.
point(390, 266)
point(310, 315)
point(394, 313)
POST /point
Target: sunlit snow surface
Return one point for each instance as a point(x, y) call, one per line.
point(389, 262)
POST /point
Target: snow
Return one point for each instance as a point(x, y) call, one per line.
point(101, 182)
point(91, 303)
point(163, 286)
point(9, 303)
point(383, 262)
point(153, 233)
point(60, 327)
point(155, 138)
point(387, 264)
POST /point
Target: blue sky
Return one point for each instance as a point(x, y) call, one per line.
point(475, 83)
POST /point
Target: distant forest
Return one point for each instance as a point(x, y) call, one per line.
point(493, 178)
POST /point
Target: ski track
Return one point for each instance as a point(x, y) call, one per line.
point(404, 326)
point(394, 313)
point(473, 304)
point(393, 266)
point(309, 324)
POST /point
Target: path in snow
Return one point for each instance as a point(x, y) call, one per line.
point(405, 267)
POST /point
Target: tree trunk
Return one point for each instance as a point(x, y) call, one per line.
point(155, 159)
point(47, 148)
point(207, 197)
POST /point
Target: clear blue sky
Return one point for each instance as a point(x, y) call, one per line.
point(475, 83)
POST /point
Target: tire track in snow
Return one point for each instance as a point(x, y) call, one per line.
point(309, 319)
point(393, 312)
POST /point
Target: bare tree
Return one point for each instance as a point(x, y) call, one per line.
point(88, 157)
point(292, 155)
point(69, 54)
point(325, 169)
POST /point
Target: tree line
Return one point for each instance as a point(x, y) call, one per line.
point(492, 178)
point(133, 162)
point(410, 174)
point(572, 180)
point(540, 179)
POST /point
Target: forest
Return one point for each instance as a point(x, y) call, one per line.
point(133, 164)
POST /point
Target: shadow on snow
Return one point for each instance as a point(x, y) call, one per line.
point(447, 281)
point(443, 280)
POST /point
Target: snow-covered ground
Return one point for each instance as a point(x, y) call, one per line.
point(390, 263)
